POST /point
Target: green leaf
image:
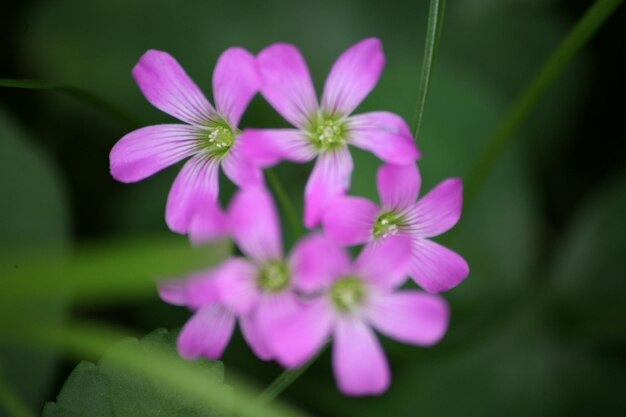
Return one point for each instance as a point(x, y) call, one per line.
point(110, 390)
point(33, 211)
point(84, 393)
point(588, 292)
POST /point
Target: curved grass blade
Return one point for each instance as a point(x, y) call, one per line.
point(577, 37)
point(106, 272)
point(79, 93)
point(433, 32)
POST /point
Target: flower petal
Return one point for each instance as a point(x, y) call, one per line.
point(235, 82)
point(168, 88)
point(353, 76)
point(359, 363)
point(440, 209)
point(385, 262)
point(436, 268)
point(316, 262)
point(286, 83)
point(267, 147)
point(398, 186)
point(255, 225)
point(207, 333)
point(384, 134)
point(240, 169)
point(349, 220)
point(330, 178)
point(410, 316)
point(295, 338)
point(145, 151)
point(195, 186)
point(208, 224)
point(251, 332)
point(233, 284)
point(173, 292)
point(193, 291)
point(272, 307)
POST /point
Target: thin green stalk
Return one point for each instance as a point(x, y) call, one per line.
point(11, 403)
point(284, 200)
point(283, 381)
point(433, 32)
point(76, 92)
point(551, 69)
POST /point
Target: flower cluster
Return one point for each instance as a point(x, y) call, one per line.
point(289, 306)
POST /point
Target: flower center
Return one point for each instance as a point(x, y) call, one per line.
point(387, 224)
point(347, 293)
point(274, 276)
point(327, 133)
point(217, 139)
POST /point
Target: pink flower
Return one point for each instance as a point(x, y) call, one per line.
point(355, 220)
point(353, 300)
point(209, 135)
point(257, 290)
point(325, 130)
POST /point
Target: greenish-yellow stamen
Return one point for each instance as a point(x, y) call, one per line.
point(387, 224)
point(274, 276)
point(327, 133)
point(347, 293)
point(217, 139)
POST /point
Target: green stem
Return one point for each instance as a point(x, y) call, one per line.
point(433, 32)
point(285, 202)
point(551, 69)
point(11, 403)
point(76, 92)
point(284, 380)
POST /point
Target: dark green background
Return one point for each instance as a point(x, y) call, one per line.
point(538, 327)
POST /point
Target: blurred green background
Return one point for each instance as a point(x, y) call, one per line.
point(538, 328)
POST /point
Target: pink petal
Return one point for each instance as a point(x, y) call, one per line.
point(353, 76)
point(440, 209)
point(359, 363)
point(173, 292)
point(267, 147)
point(251, 332)
point(195, 186)
point(272, 307)
point(240, 169)
point(286, 83)
point(410, 316)
point(436, 268)
point(207, 333)
point(316, 262)
point(398, 185)
point(232, 283)
point(235, 82)
point(384, 134)
point(145, 151)
point(168, 88)
point(385, 262)
point(297, 337)
point(330, 178)
point(349, 220)
point(255, 225)
point(208, 224)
